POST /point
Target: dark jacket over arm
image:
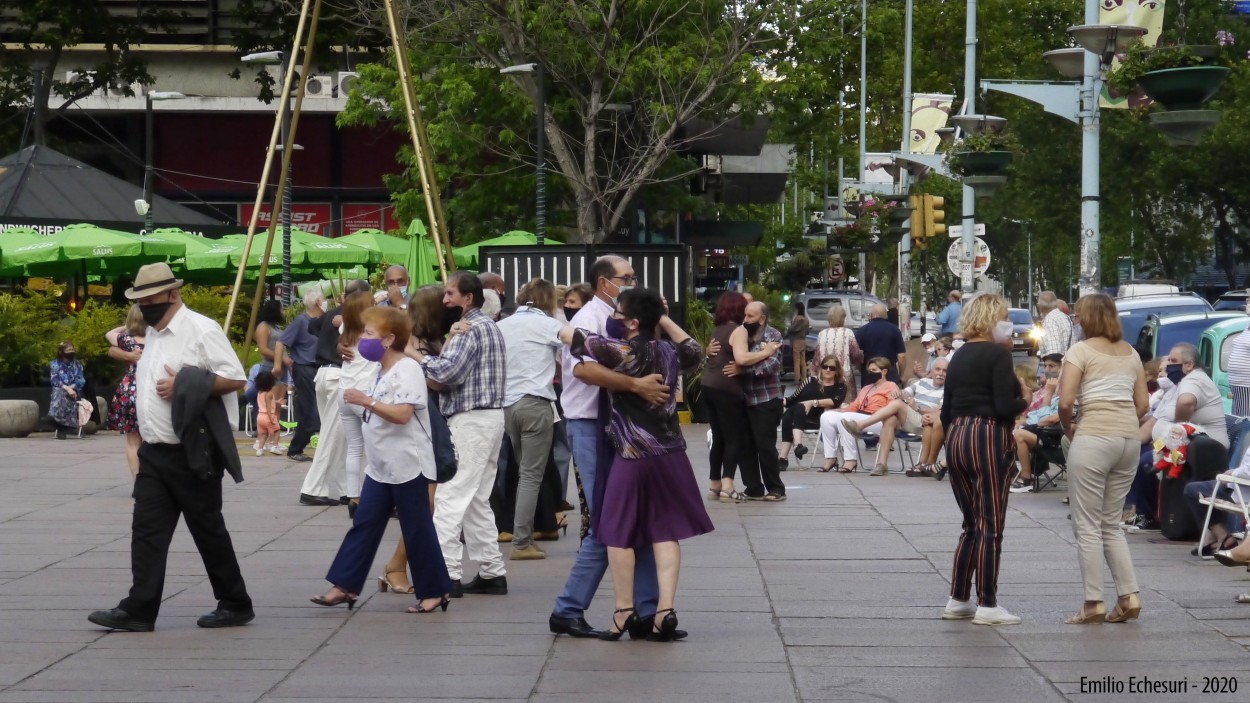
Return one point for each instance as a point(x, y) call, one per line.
point(201, 422)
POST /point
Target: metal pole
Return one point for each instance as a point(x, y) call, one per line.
point(40, 107)
point(149, 141)
point(287, 298)
point(1028, 298)
point(540, 225)
point(1091, 86)
point(904, 258)
point(863, 91)
point(969, 198)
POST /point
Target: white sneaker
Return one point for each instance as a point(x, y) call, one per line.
point(277, 449)
point(1026, 488)
point(959, 609)
point(997, 615)
point(260, 452)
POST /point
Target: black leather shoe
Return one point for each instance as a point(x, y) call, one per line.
point(226, 618)
point(305, 499)
point(299, 456)
point(457, 590)
point(644, 626)
point(118, 619)
point(497, 586)
point(573, 627)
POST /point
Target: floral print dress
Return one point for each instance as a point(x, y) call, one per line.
point(62, 408)
point(122, 410)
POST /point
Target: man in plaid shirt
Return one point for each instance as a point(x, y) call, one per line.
point(471, 368)
point(1056, 326)
point(761, 386)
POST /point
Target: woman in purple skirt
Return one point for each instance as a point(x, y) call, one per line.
point(650, 495)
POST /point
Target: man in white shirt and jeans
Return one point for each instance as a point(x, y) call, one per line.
point(166, 486)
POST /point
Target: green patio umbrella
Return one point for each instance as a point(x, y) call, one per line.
point(16, 240)
point(88, 249)
point(467, 255)
point(392, 250)
point(309, 253)
point(422, 257)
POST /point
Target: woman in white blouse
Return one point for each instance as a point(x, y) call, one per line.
point(400, 472)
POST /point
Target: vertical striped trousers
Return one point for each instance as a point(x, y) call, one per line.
point(979, 451)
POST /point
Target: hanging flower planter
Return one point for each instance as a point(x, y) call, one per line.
point(983, 160)
point(985, 186)
point(981, 163)
point(1184, 127)
point(1187, 88)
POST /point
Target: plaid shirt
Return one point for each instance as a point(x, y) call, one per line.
point(1056, 333)
point(473, 366)
point(763, 383)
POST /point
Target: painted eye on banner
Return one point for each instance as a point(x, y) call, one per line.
point(1109, 5)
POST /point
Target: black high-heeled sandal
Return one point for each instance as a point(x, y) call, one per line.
point(418, 610)
point(613, 636)
point(347, 598)
point(664, 627)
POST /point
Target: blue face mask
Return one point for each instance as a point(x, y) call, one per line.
point(1175, 373)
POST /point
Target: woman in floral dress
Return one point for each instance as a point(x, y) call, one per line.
point(126, 344)
point(67, 381)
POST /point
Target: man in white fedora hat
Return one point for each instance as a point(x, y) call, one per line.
point(188, 445)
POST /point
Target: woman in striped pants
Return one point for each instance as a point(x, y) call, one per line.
point(983, 398)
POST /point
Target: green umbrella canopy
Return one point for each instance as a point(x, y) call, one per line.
point(86, 248)
point(390, 249)
point(308, 251)
point(467, 255)
point(422, 257)
point(16, 240)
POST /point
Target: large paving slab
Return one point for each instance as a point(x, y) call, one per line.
point(835, 594)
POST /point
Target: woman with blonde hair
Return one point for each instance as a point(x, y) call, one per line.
point(839, 342)
point(1105, 374)
point(979, 409)
point(126, 344)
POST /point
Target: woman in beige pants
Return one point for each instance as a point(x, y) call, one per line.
point(1104, 374)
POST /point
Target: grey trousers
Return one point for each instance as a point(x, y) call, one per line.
point(1100, 472)
point(529, 423)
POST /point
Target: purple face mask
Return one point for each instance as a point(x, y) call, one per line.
point(372, 349)
point(616, 329)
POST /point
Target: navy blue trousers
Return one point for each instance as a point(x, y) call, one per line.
point(360, 546)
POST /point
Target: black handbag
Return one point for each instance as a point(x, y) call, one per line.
point(445, 460)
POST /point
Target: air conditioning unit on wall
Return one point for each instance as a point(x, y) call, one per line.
point(345, 81)
point(319, 87)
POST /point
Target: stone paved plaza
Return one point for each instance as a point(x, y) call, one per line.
point(835, 594)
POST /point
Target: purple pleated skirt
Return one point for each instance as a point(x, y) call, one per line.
point(651, 500)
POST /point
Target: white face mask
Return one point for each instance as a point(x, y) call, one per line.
point(1002, 331)
point(957, 343)
point(1165, 383)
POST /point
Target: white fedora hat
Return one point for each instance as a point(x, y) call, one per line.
point(153, 279)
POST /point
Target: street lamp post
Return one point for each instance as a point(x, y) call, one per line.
point(150, 153)
point(540, 145)
point(275, 58)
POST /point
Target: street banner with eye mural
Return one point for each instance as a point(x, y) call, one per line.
point(928, 114)
point(1136, 13)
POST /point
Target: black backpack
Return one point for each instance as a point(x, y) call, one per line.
point(1206, 459)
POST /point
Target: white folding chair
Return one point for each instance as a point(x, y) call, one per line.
point(1237, 507)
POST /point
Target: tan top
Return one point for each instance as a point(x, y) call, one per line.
point(1106, 395)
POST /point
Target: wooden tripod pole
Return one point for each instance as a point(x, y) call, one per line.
point(420, 143)
point(288, 150)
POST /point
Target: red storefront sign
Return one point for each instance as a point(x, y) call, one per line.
point(315, 218)
point(358, 216)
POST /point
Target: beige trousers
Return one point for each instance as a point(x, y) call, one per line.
point(1100, 472)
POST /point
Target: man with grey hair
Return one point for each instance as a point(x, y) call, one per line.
point(397, 284)
point(1198, 399)
point(303, 348)
point(879, 338)
point(1056, 326)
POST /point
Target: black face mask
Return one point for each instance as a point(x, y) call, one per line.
point(872, 376)
point(450, 317)
point(570, 312)
point(154, 312)
point(752, 328)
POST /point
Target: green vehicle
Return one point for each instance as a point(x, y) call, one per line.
point(1214, 348)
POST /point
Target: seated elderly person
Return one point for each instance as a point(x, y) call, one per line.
point(1043, 412)
point(1198, 399)
point(915, 409)
point(1223, 524)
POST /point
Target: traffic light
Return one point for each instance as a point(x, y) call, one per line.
point(927, 218)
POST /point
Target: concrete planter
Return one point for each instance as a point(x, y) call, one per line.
point(18, 418)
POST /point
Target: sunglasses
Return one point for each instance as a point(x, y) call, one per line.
point(829, 368)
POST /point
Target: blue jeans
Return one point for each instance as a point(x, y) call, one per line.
point(1144, 493)
point(592, 557)
point(1231, 521)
